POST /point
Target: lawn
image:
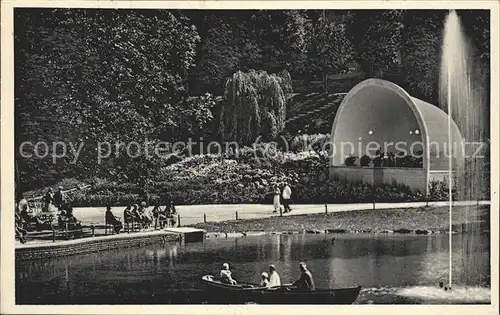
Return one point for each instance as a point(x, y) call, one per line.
point(425, 218)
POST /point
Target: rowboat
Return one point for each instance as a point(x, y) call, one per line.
point(285, 294)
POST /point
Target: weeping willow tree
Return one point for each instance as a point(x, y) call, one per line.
point(254, 105)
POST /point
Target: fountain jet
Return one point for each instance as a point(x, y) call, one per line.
point(462, 97)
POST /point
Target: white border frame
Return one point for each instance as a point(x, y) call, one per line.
point(7, 301)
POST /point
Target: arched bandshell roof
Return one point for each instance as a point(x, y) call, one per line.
point(379, 111)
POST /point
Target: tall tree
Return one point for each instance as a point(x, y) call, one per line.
point(226, 47)
point(329, 48)
point(283, 37)
point(420, 49)
point(376, 36)
point(254, 105)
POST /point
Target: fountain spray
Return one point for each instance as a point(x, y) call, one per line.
point(460, 96)
point(450, 178)
point(447, 66)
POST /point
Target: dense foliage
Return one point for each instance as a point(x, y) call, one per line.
point(89, 76)
point(93, 76)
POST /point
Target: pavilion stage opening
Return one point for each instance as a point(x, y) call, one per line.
point(382, 135)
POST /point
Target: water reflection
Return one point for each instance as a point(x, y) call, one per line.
point(150, 274)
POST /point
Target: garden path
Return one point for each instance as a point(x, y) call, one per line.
point(192, 214)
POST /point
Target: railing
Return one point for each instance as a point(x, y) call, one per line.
point(239, 214)
point(35, 204)
point(90, 230)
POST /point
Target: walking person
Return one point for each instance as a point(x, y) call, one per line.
point(286, 195)
point(48, 200)
point(59, 198)
point(276, 199)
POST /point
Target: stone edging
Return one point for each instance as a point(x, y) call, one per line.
point(327, 231)
point(95, 244)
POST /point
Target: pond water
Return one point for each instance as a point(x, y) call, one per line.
point(391, 269)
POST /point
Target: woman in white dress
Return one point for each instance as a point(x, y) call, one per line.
point(264, 281)
point(52, 209)
point(276, 199)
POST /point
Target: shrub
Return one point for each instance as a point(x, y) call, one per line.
point(212, 179)
point(438, 190)
point(365, 160)
point(350, 161)
point(377, 162)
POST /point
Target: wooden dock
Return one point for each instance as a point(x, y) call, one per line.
point(188, 235)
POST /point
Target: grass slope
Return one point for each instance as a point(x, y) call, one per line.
point(433, 219)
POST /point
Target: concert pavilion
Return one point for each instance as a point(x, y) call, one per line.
point(377, 115)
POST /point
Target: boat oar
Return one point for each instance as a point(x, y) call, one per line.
point(284, 286)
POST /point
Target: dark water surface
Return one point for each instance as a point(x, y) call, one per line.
point(391, 269)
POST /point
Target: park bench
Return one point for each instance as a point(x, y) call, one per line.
point(135, 226)
point(66, 232)
point(109, 226)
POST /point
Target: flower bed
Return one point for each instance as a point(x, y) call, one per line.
point(212, 179)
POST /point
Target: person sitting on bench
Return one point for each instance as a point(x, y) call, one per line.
point(66, 217)
point(172, 209)
point(147, 217)
point(26, 217)
point(171, 212)
point(20, 231)
point(127, 215)
point(159, 215)
point(136, 214)
point(112, 220)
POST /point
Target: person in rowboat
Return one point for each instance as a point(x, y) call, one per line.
point(264, 282)
point(306, 281)
point(274, 278)
point(225, 275)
